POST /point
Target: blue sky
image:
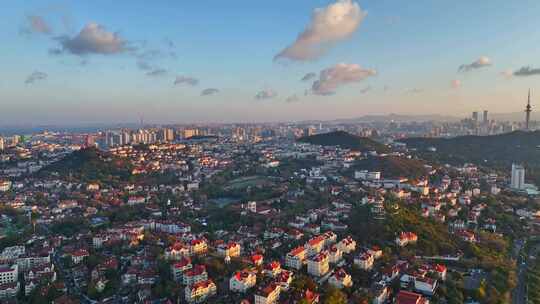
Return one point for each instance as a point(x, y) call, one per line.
point(386, 57)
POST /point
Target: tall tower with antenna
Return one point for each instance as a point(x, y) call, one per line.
point(528, 110)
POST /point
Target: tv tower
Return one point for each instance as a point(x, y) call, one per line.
point(528, 110)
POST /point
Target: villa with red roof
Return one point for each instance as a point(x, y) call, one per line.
point(196, 274)
point(347, 245)
point(364, 261)
point(200, 291)
point(176, 251)
point(178, 268)
point(231, 249)
point(406, 238)
point(241, 281)
point(78, 255)
point(268, 294)
point(318, 264)
point(198, 246)
point(340, 279)
point(407, 297)
point(272, 269)
point(295, 258)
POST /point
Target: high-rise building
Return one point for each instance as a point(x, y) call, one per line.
point(475, 116)
point(2, 143)
point(126, 137)
point(309, 131)
point(518, 177)
point(528, 110)
point(485, 120)
point(169, 134)
point(190, 133)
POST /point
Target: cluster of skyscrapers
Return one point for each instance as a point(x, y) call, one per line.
point(146, 136)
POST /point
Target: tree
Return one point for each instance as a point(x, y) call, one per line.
point(334, 296)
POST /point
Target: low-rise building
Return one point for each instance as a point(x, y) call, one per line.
point(194, 275)
point(268, 294)
point(318, 265)
point(340, 279)
point(364, 261)
point(231, 249)
point(241, 281)
point(295, 258)
point(406, 238)
point(178, 268)
point(200, 291)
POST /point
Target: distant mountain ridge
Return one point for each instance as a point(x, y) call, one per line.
point(345, 140)
point(399, 118)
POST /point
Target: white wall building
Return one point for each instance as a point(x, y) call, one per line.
point(518, 177)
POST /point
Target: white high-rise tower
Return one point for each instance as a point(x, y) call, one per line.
point(518, 177)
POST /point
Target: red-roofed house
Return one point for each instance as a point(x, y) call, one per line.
point(340, 278)
point(268, 294)
point(200, 291)
point(241, 281)
point(407, 297)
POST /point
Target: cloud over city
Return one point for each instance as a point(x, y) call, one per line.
point(37, 24)
point(328, 25)
point(481, 62)
point(527, 71)
point(93, 39)
point(191, 81)
point(209, 91)
point(341, 74)
point(35, 76)
point(265, 94)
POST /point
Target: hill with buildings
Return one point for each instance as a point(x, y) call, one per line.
point(495, 151)
point(90, 164)
point(345, 140)
point(503, 149)
point(393, 166)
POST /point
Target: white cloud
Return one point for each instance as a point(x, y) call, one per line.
point(93, 39)
point(340, 74)
point(481, 62)
point(328, 25)
point(265, 94)
point(186, 80)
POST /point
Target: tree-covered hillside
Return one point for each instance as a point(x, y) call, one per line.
point(345, 140)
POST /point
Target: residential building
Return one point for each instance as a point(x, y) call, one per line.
point(268, 294)
point(364, 261)
point(340, 279)
point(200, 291)
point(241, 281)
point(295, 258)
point(318, 265)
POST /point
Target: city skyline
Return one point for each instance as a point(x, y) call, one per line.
point(71, 62)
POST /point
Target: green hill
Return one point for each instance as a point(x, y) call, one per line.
point(393, 166)
point(345, 140)
point(503, 149)
point(90, 164)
